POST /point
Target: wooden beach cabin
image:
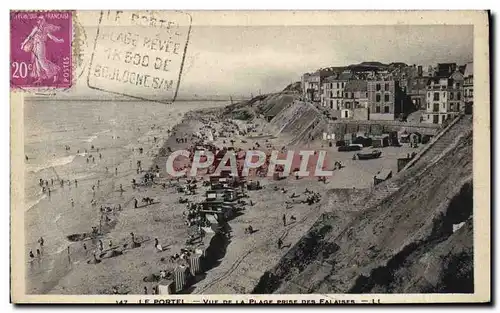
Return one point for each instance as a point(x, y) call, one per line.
point(382, 176)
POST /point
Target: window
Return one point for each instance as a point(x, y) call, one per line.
point(331, 104)
point(451, 95)
point(386, 86)
point(436, 96)
point(338, 93)
point(458, 95)
point(386, 97)
point(386, 109)
point(378, 87)
point(331, 94)
point(343, 85)
point(337, 85)
point(377, 98)
point(377, 109)
point(428, 106)
point(367, 95)
point(470, 93)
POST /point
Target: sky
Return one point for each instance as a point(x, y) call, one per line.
point(246, 59)
point(239, 61)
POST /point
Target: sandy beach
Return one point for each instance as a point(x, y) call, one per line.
point(246, 257)
point(118, 136)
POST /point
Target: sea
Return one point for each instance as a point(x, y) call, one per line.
point(60, 141)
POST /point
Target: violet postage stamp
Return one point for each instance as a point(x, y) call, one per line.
point(222, 157)
point(41, 49)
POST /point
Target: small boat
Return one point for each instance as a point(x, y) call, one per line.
point(374, 154)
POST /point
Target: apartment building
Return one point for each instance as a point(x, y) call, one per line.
point(333, 90)
point(444, 98)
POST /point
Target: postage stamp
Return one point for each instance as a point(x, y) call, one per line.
point(140, 55)
point(41, 49)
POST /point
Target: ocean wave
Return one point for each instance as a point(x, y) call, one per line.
point(32, 203)
point(95, 135)
point(90, 139)
point(35, 168)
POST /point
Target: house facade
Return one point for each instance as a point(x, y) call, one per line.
point(333, 90)
point(311, 87)
point(468, 86)
point(355, 103)
point(444, 98)
point(382, 99)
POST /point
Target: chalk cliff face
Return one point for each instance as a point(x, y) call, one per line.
point(404, 243)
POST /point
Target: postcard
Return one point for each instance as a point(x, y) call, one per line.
point(249, 157)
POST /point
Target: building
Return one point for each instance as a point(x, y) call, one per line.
point(312, 83)
point(311, 87)
point(468, 87)
point(333, 90)
point(444, 97)
point(445, 69)
point(417, 91)
point(355, 103)
point(383, 97)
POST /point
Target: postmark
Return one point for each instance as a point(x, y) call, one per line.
point(140, 54)
point(41, 54)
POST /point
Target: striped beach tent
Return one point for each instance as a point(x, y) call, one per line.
point(180, 278)
point(195, 263)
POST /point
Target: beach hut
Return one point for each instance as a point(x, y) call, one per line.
point(426, 139)
point(393, 139)
point(166, 287)
point(195, 263)
point(416, 137)
point(180, 277)
point(381, 176)
point(380, 141)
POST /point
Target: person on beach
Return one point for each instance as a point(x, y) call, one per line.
point(145, 290)
point(100, 156)
point(135, 203)
point(284, 220)
point(84, 246)
point(41, 241)
point(40, 182)
point(76, 183)
point(121, 188)
point(68, 251)
point(38, 253)
point(100, 245)
point(93, 160)
point(72, 203)
point(48, 190)
point(116, 170)
point(110, 243)
point(26, 157)
point(31, 254)
point(87, 160)
point(98, 183)
point(280, 243)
